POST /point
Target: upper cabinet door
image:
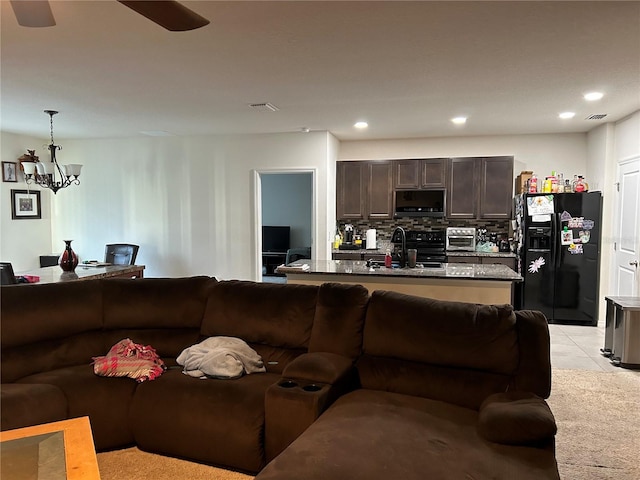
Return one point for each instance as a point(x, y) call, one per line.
point(496, 188)
point(434, 173)
point(380, 188)
point(462, 188)
point(351, 190)
point(406, 174)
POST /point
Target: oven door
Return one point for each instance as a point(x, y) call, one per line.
point(466, 243)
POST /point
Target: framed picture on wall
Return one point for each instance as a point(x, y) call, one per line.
point(25, 204)
point(9, 173)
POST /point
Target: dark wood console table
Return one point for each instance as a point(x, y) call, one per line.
point(271, 260)
point(55, 274)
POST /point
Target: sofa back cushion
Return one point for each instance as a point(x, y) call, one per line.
point(165, 313)
point(451, 351)
point(272, 318)
point(339, 319)
point(48, 326)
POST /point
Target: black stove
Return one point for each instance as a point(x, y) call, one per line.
point(430, 244)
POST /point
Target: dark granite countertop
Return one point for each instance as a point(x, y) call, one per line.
point(447, 270)
point(482, 254)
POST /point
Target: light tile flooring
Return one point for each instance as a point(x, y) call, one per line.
point(578, 348)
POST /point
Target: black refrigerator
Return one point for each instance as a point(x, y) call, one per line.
point(558, 248)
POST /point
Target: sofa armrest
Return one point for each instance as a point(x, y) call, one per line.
point(319, 367)
point(516, 418)
point(309, 385)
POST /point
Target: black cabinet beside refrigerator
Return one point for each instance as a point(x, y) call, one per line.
point(559, 255)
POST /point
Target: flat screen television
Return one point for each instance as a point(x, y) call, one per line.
point(275, 239)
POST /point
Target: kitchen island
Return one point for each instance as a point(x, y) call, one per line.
point(476, 283)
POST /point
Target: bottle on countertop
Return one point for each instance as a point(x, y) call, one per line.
point(387, 259)
point(579, 185)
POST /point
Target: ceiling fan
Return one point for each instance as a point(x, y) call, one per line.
point(167, 13)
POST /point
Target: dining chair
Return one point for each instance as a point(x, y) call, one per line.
point(121, 253)
point(49, 260)
point(7, 277)
point(294, 254)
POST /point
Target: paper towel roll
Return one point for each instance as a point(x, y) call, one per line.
point(371, 238)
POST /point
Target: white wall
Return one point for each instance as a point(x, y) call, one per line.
point(23, 241)
point(188, 202)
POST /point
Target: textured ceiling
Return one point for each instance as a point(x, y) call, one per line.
point(405, 67)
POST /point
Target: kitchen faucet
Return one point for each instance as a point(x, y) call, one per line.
point(403, 249)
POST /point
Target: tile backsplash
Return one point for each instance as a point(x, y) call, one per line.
point(384, 228)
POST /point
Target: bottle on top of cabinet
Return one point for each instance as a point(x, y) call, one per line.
point(581, 185)
point(533, 184)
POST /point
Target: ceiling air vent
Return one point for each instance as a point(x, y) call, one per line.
point(596, 116)
point(264, 106)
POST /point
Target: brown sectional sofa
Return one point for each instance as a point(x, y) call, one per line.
point(357, 386)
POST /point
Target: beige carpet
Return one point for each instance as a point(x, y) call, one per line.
point(598, 416)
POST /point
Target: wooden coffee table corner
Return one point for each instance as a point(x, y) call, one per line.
point(79, 451)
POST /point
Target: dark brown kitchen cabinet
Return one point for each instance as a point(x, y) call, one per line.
point(364, 190)
point(434, 173)
point(406, 174)
point(415, 174)
point(496, 188)
point(480, 188)
point(462, 188)
point(379, 187)
point(351, 191)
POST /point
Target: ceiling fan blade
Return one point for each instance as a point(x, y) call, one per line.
point(168, 14)
point(33, 13)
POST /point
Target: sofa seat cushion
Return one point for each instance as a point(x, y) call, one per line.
point(381, 435)
point(105, 400)
point(213, 421)
point(27, 405)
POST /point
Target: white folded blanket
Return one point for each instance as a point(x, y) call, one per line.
point(220, 357)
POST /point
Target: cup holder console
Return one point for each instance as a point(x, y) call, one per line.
point(311, 387)
point(288, 384)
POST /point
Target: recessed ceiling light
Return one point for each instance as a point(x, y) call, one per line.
point(459, 120)
point(592, 96)
point(566, 115)
point(361, 124)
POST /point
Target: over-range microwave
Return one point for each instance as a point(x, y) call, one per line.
point(419, 203)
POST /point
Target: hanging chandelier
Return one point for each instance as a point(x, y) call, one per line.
point(51, 174)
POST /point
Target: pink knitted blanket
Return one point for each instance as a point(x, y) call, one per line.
point(129, 359)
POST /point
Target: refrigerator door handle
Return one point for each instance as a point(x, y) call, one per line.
point(555, 239)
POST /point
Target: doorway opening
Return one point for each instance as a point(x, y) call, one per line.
point(285, 220)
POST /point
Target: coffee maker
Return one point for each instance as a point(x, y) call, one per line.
point(348, 234)
point(348, 240)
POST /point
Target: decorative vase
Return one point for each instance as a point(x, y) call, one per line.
point(68, 260)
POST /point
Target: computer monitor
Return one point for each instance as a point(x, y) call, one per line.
point(275, 238)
